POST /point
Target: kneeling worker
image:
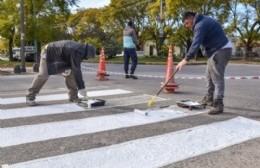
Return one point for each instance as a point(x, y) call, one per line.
point(59, 57)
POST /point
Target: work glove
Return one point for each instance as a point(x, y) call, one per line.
point(83, 93)
point(66, 73)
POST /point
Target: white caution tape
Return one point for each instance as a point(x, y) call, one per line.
point(162, 77)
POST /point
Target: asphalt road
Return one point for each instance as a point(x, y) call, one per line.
point(241, 99)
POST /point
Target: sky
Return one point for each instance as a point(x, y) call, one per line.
point(93, 3)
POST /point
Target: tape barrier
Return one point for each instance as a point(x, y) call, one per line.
point(162, 77)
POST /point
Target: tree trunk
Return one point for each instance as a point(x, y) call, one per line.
point(248, 48)
point(10, 47)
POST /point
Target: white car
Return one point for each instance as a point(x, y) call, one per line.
point(120, 55)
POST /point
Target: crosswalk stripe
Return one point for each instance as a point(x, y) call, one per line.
point(33, 133)
point(70, 108)
point(6, 101)
point(39, 111)
point(159, 150)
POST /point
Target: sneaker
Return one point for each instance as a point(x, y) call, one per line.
point(206, 101)
point(75, 100)
point(126, 76)
point(217, 107)
point(133, 76)
point(30, 101)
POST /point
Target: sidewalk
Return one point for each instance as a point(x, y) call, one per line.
point(10, 71)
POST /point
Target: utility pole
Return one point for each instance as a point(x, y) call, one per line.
point(35, 65)
point(161, 28)
point(22, 36)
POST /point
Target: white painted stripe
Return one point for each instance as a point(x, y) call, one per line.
point(6, 101)
point(159, 150)
point(33, 133)
point(40, 110)
point(70, 108)
point(14, 93)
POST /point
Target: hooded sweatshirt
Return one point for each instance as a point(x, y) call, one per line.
point(130, 38)
point(208, 35)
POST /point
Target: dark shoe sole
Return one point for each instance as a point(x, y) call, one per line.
point(214, 113)
point(133, 77)
point(31, 104)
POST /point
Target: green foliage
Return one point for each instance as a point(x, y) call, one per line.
point(51, 20)
point(112, 47)
point(245, 22)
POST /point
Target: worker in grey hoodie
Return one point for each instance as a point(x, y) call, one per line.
point(210, 37)
point(130, 42)
point(62, 57)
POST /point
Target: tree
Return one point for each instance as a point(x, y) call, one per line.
point(86, 24)
point(8, 22)
point(120, 12)
point(245, 19)
point(215, 9)
point(44, 21)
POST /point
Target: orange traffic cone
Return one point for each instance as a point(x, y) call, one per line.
point(171, 86)
point(101, 73)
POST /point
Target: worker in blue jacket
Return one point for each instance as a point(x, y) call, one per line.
point(210, 37)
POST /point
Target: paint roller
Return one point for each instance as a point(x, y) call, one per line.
point(145, 113)
point(150, 103)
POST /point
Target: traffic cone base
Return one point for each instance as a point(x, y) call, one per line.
point(170, 87)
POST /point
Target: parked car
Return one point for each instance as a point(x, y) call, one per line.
point(120, 55)
point(29, 53)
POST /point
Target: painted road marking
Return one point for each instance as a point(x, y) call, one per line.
point(46, 131)
point(159, 150)
point(110, 92)
point(71, 107)
point(40, 110)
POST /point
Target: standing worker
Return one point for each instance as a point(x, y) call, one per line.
point(130, 43)
point(210, 36)
point(59, 57)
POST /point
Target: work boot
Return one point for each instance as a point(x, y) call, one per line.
point(217, 107)
point(126, 76)
point(75, 100)
point(206, 101)
point(133, 76)
point(30, 101)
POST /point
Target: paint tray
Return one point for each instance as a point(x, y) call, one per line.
point(92, 103)
point(189, 104)
point(96, 102)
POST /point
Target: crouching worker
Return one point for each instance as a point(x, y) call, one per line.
point(62, 57)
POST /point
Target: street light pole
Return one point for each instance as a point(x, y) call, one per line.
point(22, 36)
point(35, 65)
point(161, 29)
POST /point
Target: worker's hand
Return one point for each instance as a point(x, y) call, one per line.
point(83, 92)
point(181, 64)
point(66, 73)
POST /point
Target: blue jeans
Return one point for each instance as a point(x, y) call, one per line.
point(130, 53)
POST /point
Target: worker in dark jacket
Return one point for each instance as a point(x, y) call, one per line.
point(210, 37)
point(62, 57)
point(130, 43)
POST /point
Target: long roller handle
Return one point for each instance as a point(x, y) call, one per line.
point(176, 70)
